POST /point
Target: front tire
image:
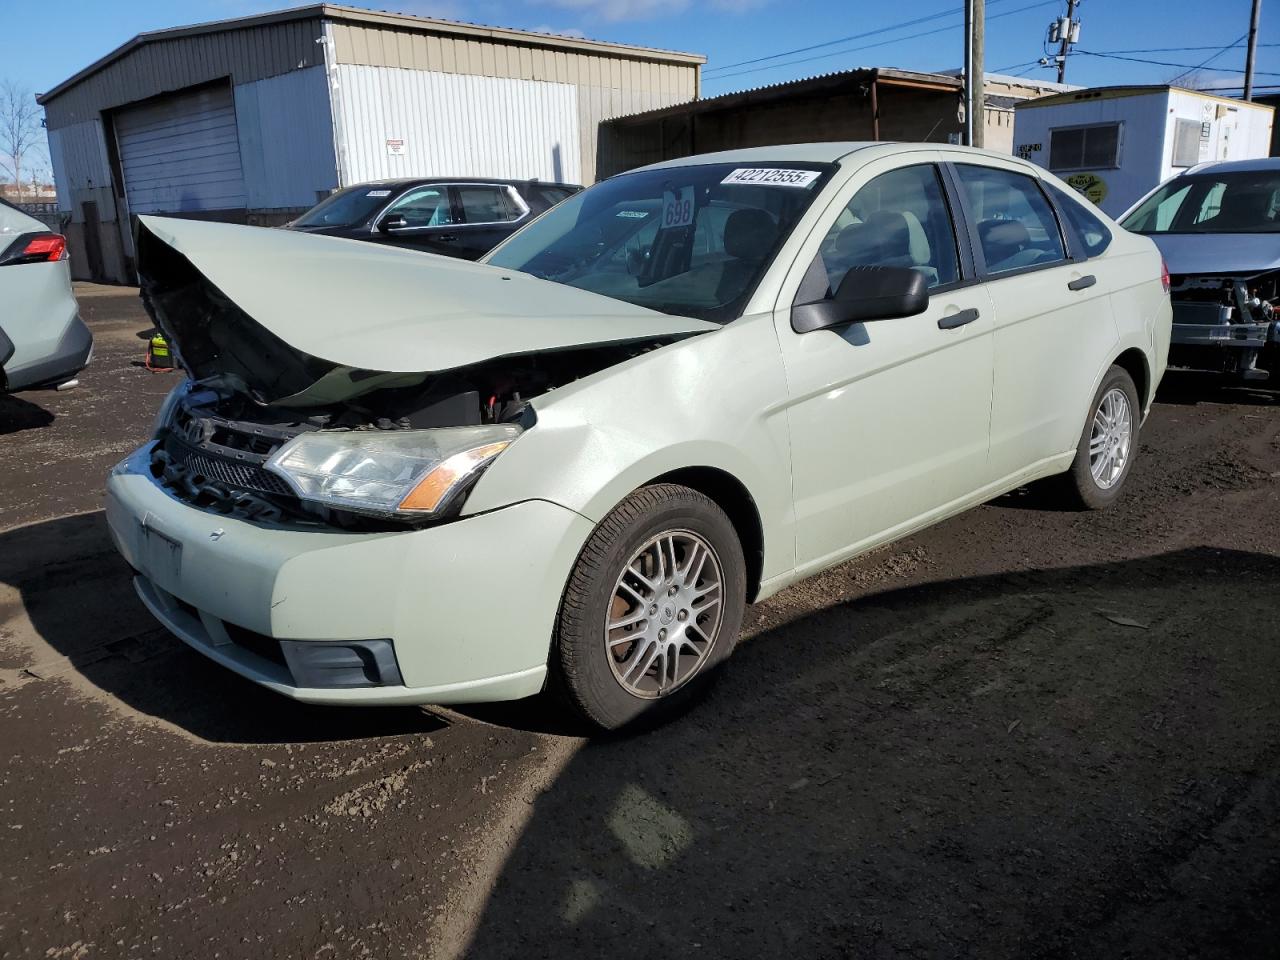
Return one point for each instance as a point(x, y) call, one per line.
point(652, 608)
point(1107, 447)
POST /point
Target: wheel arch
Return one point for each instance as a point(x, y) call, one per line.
point(1134, 362)
point(732, 496)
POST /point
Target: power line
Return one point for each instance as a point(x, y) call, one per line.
point(1182, 49)
point(881, 43)
point(1165, 63)
point(854, 36)
point(1208, 60)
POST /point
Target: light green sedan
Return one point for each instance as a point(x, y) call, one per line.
point(398, 478)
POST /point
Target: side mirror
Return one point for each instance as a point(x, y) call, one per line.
point(865, 294)
point(392, 221)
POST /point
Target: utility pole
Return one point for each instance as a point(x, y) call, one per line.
point(1066, 42)
point(1064, 31)
point(1253, 49)
point(975, 25)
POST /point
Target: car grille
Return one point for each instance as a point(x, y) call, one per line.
point(202, 468)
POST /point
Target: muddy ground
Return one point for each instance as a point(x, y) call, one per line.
point(1020, 734)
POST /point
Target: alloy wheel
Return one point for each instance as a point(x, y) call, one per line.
point(1111, 438)
point(665, 614)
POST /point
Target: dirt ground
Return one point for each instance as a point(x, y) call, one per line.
point(1020, 734)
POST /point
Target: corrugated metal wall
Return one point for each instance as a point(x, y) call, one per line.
point(79, 155)
point(244, 55)
point(452, 124)
point(608, 86)
point(286, 139)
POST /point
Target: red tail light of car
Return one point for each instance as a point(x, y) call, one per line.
point(35, 248)
point(1164, 275)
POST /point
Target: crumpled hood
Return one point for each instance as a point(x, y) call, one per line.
point(1217, 254)
point(356, 305)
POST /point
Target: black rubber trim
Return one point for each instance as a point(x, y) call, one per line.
point(953, 320)
point(6, 349)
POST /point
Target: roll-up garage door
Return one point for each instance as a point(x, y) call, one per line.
point(180, 153)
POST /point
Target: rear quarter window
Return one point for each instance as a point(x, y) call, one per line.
point(1090, 230)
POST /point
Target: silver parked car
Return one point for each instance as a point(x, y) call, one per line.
point(1218, 227)
point(43, 341)
point(404, 479)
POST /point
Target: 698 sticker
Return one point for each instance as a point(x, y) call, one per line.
point(677, 208)
point(772, 176)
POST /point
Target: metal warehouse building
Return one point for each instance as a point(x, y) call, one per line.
point(254, 119)
point(874, 103)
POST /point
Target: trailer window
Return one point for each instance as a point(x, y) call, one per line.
point(1186, 143)
point(1095, 147)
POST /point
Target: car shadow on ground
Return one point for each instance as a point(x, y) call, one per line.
point(1194, 387)
point(18, 414)
point(1078, 762)
point(72, 614)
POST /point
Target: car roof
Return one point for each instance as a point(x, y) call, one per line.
point(816, 153)
point(400, 183)
point(1260, 165)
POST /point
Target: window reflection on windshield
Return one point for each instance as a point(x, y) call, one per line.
point(1244, 202)
point(680, 240)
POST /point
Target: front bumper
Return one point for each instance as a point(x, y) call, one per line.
point(1188, 332)
point(469, 606)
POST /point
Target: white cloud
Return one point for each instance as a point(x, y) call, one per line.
point(614, 10)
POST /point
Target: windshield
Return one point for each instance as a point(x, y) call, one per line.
point(692, 241)
point(346, 208)
point(1243, 202)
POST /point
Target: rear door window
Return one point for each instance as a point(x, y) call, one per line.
point(486, 204)
point(1016, 224)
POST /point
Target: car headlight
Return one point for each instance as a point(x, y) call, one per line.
point(407, 473)
point(165, 413)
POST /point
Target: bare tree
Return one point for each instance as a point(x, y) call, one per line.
point(21, 132)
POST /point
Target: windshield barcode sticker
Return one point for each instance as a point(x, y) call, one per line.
point(772, 176)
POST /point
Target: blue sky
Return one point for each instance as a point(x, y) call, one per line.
point(729, 32)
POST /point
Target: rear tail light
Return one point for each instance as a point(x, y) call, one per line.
point(1164, 276)
point(35, 248)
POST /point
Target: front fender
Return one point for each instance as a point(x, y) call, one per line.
point(713, 401)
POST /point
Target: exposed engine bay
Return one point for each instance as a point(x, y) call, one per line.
point(1212, 312)
point(213, 448)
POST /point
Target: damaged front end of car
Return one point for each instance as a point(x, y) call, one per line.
point(1228, 324)
point(273, 426)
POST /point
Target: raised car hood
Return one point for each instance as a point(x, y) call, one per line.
point(1218, 254)
point(280, 309)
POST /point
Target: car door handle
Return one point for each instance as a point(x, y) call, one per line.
point(447, 237)
point(1082, 283)
point(958, 319)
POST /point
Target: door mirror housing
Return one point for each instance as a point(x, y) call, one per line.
point(865, 294)
point(392, 221)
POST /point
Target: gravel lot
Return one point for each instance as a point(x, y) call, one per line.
point(1020, 734)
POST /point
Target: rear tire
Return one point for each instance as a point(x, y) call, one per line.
point(1107, 448)
point(652, 609)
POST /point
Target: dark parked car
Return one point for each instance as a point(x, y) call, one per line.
point(453, 216)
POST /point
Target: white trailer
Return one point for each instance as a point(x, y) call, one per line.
point(1113, 144)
